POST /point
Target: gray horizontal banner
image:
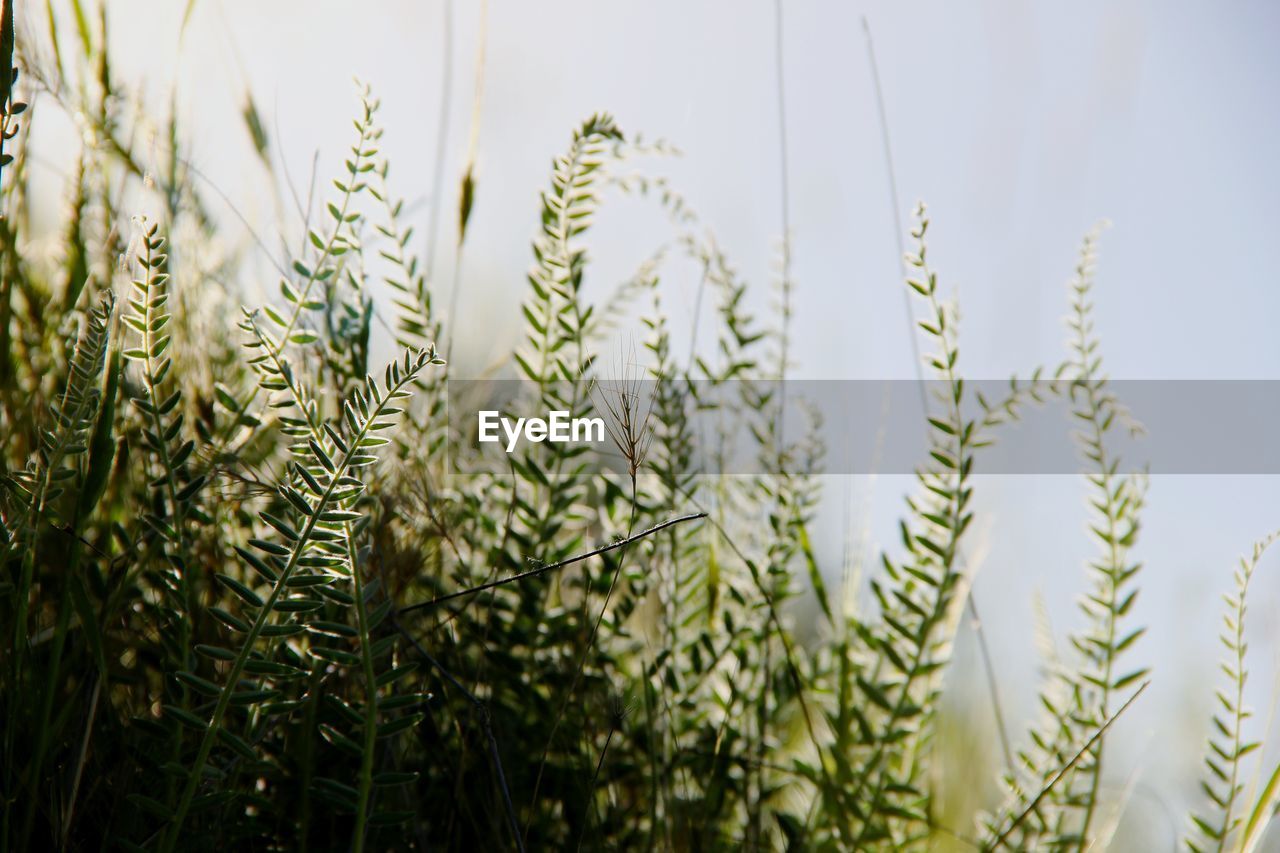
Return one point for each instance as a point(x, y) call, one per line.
point(867, 426)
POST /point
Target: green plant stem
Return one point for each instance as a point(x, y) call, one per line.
point(1000, 840)
point(370, 698)
point(370, 734)
point(68, 821)
point(264, 612)
point(34, 518)
point(1114, 567)
point(46, 697)
point(871, 769)
point(1262, 813)
point(788, 651)
point(551, 567)
point(312, 277)
point(1237, 728)
point(582, 661)
point(151, 376)
point(591, 789)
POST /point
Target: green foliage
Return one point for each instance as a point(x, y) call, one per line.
point(897, 684)
point(261, 605)
point(37, 489)
point(1079, 698)
point(1228, 743)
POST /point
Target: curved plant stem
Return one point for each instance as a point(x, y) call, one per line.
point(551, 567)
point(327, 251)
point(1004, 834)
point(195, 772)
point(582, 659)
point(370, 733)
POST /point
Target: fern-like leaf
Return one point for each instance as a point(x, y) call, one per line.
point(1227, 742)
point(73, 415)
point(328, 483)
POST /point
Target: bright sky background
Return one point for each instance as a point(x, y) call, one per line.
point(1020, 124)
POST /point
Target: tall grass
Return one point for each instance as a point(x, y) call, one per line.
point(247, 597)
